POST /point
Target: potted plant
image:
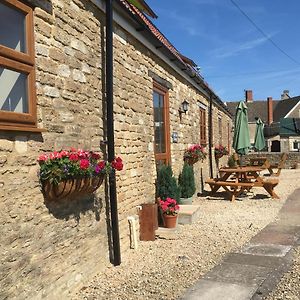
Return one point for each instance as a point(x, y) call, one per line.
point(170, 210)
point(186, 182)
point(166, 185)
point(193, 154)
point(65, 174)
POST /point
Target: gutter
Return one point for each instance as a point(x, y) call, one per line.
point(110, 132)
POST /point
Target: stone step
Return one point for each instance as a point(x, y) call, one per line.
point(188, 214)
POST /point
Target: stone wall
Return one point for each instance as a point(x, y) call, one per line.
point(293, 159)
point(49, 249)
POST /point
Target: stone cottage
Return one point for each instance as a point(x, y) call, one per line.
point(52, 97)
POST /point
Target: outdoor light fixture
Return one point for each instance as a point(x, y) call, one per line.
point(184, 107)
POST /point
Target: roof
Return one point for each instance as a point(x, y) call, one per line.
point(284, 107)
point(144, 7)
point(256, 108)
point(186, 64)
point(289, 127)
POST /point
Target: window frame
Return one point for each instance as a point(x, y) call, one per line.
point(25, 63)
point(202, 123)
point(165, 156)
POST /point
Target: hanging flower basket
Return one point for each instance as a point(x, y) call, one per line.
point(218, 156)
point(71, 188)
point(193, 154)
point(68, 174)
point(220, 151)
point(191, 161)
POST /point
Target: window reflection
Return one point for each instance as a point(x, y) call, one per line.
point(159, 123)
point(12, 28)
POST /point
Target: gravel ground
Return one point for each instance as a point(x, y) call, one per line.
point(289, 286)
point(163, 269)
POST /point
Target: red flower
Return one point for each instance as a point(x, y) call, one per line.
point(73, 156)
point(95, 155)
point(117, 164)
point(84, 164)
point(101, 164)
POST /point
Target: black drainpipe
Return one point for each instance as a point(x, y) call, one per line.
point(110, 133)
point(210, 135)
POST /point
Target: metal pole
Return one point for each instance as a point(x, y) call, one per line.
point(110, 132)
point(210, 136)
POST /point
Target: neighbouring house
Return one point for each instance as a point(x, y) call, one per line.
point(281, 118)
point(52, 97)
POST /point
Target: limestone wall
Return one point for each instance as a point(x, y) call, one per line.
point(48, 248)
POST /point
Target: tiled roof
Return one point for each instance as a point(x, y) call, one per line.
point(284, 107)
point(256, 108)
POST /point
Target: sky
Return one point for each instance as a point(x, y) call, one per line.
point(233, 55)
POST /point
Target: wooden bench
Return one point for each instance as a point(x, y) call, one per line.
point(278, 166)
point(233, 188)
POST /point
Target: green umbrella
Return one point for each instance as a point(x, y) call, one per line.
point(259, 140)
point(241, 138)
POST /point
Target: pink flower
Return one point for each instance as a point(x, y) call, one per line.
point(42, 158)
point(84, 164)
point(55, 155)
point(64, 153)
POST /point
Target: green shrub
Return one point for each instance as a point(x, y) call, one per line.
point(186, 181)
point(166, 185)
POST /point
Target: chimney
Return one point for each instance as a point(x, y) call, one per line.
point(270, 110)
point(285, 95)
point(249, 95)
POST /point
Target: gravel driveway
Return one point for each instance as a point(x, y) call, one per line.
point(163, 269)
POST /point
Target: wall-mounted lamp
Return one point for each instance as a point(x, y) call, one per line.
point(184, 107)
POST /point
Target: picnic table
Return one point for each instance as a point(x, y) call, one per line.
point(260, 162)
point(240, 179)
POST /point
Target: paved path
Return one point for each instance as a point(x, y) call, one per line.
point(254, 271)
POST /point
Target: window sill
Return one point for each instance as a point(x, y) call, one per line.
point(20, 128)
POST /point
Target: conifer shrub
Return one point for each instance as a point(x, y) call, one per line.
point(166, 185)
point(186, 181)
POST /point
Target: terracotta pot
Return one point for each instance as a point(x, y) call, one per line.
point(71, 187)
point(170, 221)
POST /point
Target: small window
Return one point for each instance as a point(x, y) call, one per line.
point(202, 126)
point(17, 75)
point(220, 129)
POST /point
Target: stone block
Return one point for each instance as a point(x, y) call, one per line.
point(211, 290)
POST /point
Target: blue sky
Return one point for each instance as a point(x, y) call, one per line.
point(231, 53)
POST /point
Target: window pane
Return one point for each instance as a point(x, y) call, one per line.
point(13, 92)
point(159, 123)
point(12, 28)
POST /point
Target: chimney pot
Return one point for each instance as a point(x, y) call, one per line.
point(285, 95)
point(270, 110)
point(249, 95)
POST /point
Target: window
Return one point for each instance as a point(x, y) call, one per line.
point(220, 129)
point(17, 75)
point(161, 125)
point(202, 126)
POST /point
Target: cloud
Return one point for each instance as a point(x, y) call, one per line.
point(234, 49)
